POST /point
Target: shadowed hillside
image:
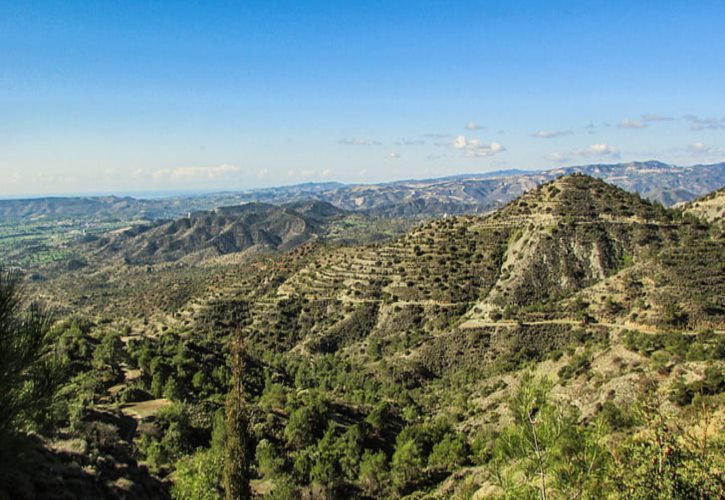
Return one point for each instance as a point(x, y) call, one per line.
point(225, 230)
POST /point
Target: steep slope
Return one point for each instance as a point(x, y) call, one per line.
point(569, 234)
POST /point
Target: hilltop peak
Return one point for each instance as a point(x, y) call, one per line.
point(579, 195)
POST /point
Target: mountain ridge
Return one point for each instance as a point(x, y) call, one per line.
point(464, 193)
point(253, 226)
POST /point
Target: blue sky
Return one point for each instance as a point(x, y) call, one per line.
point(128, 96)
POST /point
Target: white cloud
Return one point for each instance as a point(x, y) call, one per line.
point(627, 123)
point(474, 126)
point(698, 123)
point(392, 156)
point(551, 134)
point(139, 173)
point(194, 173)
point(475, 148)
point(600, 150)
point(409, 142)
point(326, 173)
point(699, 148)
point(558, 157)
point(262, 172)
point(360, 141)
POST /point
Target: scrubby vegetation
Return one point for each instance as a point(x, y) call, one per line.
point(566, 345)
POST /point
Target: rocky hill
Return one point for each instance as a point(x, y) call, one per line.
point(556, 241)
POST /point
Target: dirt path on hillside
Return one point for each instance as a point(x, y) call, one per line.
point(648, 329)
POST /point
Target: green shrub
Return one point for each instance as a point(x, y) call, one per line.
point(198, 476)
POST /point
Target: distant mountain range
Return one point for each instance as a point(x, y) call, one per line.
point(461, 194)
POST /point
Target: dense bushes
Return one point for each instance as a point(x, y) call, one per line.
point(700, 347)
point(181, 368)
point(711, 384)
point(547, 451)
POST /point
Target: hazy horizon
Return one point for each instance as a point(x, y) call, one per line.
point(152, 194)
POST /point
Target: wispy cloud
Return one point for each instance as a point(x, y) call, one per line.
point(308, 173)
point(654, 117)
point(698, 123)
point(392, 156)
point(409, 142)
point(551, 134)
point(437, 136)
point(475, 148)
point(474, 126)
point(627, 123)
point(360, 141)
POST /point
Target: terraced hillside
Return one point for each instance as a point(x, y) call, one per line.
point(528, 254)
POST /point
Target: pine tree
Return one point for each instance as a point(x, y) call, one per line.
point(28, 373)
point(236, 472)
